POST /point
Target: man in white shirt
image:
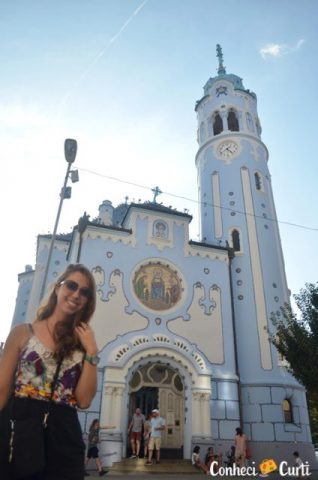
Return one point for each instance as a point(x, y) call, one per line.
point(158, 424)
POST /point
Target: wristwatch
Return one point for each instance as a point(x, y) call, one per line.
point(92, 359)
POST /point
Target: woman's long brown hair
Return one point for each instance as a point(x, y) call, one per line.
point(64, 332)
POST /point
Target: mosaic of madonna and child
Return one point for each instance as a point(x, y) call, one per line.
point(157, 286)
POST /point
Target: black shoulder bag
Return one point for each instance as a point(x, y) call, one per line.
point(27, 455)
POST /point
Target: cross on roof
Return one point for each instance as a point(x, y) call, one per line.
point(219, 54)
point(156, 191)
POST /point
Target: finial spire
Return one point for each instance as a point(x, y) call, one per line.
point(219, 54)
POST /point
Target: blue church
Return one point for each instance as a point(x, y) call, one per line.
point(183, 325)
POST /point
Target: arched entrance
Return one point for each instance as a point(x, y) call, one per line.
point(182, 389)
point(157, 385)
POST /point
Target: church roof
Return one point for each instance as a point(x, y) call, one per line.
point(66, 237)
point(157, 207)
point(236, 81)
point(210, 245)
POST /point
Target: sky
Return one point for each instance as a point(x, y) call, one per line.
point(122, 78)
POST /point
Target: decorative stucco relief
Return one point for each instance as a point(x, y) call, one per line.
point(121, 353)
point(110, 318)
point(204, 329)
point(112, 236)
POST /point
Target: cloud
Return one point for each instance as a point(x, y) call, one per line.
point(280, 49)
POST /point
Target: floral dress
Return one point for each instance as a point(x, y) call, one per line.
point(35, 371)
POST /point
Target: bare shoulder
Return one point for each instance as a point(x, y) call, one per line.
point(18, 336)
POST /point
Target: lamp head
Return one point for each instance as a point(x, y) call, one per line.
point(70, 150)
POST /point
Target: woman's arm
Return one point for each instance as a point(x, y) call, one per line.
point(87, 384)
point(9, 360)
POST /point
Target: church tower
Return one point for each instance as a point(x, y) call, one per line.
point(237, 209)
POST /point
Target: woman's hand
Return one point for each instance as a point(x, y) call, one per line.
point(87, 338)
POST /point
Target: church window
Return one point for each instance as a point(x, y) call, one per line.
point(232, 122)
point(236, 243)
point(178, 383)
point(258, 181)
point(287, 411)
point(217, 124)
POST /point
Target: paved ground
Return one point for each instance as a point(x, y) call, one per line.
point(273, 476)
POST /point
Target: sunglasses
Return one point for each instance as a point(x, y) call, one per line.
point(72, 286)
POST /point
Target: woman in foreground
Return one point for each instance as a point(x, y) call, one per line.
point(61, 334)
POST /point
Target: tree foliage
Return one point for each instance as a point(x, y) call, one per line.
point(296, 338)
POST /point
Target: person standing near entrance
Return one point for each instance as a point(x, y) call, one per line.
point(158, 424)
point(135, 430)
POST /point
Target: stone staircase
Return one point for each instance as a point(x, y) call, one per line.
point(131, 466)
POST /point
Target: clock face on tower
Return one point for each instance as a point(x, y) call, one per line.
point(227, 149)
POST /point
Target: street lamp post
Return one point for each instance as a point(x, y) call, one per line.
point(70, 150)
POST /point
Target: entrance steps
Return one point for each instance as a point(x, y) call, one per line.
point(130, 466)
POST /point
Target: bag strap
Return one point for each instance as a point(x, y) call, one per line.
point(56, 374)
point(53, 385)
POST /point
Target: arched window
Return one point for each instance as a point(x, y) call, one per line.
point(287, 411)
point(236, 240)
point(232, 122)
point(258, 181)
point(217, 124)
